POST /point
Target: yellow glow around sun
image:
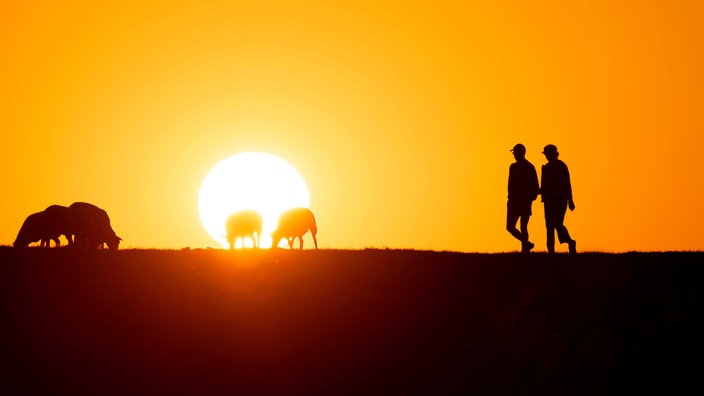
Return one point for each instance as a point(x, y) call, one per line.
point(258, 181)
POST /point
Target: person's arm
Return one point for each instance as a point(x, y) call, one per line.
point(535, 186)
point(570, 201)
point(510, 180)
point(542, 183)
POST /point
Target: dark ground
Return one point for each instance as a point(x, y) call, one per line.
point(349, 322)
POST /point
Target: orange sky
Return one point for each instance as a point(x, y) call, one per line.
point(399, 115)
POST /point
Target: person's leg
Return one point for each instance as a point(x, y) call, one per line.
point(559, 218)
point(550, 227)
point(524, 226)
point(562, 233)
point(525, 243)
point(511, 220)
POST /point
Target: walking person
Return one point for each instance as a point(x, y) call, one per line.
point(556, 191)
point(522, 191)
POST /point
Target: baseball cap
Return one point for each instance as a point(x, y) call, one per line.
point(519, 148)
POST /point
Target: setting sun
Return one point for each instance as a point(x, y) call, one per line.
point(250, 181)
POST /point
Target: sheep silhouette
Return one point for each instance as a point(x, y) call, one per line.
point(35, 229)
point(50, 224)
point(83, 225)
point(244, 224)
point(95, 224)
point(61, 220)
point(294, 223)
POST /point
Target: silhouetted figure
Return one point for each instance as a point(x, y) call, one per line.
point(93, 226)
point(294, 223)
point(556, 191)
point(522, 191)
point(34, 229)
point(244, 224)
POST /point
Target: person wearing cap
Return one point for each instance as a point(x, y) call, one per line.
point(556, 192)
point(522, 191)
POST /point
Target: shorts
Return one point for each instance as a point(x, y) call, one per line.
point(519, 209)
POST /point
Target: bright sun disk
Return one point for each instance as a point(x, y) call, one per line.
point(252, 180)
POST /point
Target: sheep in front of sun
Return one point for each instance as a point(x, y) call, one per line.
point(244, 224)
point(294, 223)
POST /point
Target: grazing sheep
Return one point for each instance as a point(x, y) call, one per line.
point(244, 224)
point(81, 228)
point(294, 223)
point(95, 226)
point(60, 220)
point(35, 229)
point(81, 223)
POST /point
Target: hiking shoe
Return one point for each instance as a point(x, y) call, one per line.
point(573, 246)
point(527, 247)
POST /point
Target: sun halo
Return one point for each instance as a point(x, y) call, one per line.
point(252, 180)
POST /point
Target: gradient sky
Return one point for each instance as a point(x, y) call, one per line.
point(399, 115)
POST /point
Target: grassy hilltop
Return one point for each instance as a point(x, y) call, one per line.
point(348, 322)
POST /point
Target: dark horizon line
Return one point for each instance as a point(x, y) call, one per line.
point(365, 249)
